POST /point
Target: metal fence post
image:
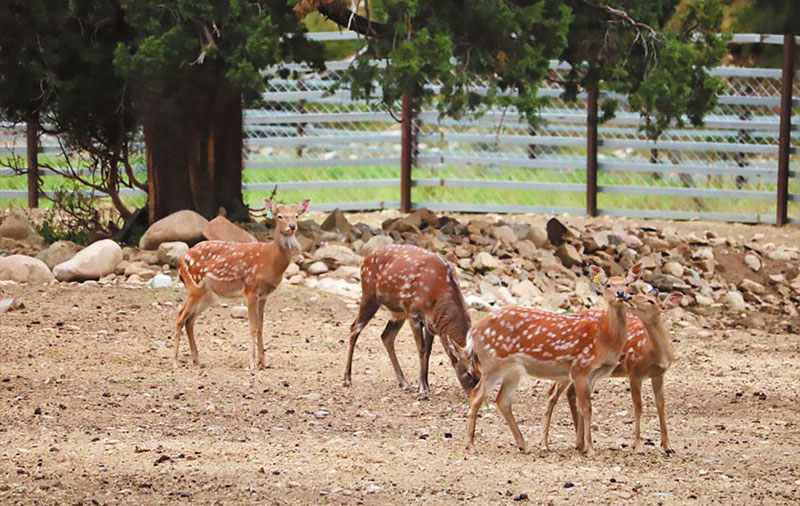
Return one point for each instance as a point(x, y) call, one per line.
point(406, 154)
point(591, 152)
point(32, 140)
point(785, 140)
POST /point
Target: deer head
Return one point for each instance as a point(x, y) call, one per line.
point(615, 288)
point(286, 216)
point(647, 307)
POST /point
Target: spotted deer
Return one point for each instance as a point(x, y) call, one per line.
point(420, 286)
point(647, 354)
point(227, 269)
point(514, 341)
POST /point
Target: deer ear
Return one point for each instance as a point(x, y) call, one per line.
point(598, 275)
point(673, 300)
point(303, 206)
point(634, 273)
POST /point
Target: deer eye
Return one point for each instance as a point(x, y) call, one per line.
point(297, 215)
point(280, 216)
point(650, 302)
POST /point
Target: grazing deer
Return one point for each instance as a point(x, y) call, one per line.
point(422, 287)
point(648, 354)
point(514, 341)
point(227, 269)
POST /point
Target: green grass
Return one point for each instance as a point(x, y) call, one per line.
point(480, 195)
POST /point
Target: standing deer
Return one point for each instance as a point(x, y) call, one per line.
point(419, 286)
point(514, 341)
point(648, 354)
point(227, 269)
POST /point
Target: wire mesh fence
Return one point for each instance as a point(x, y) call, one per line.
point(312, 139)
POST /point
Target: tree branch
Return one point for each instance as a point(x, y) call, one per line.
point(339, 12)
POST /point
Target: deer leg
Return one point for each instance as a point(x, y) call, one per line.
point(583, 391)
point(262, 301)
point(552, 398)
point(658, 393)
point(636, 395)
point(387, 338)
point(188, 311)
point(503, 401)
point(192, 343)
point(476, 397)
point(424, 342)
point(252, 314)
point(366, 310)
point(577, 421)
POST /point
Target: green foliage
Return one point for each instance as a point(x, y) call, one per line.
point(52, 229)
point(199, 43)
point(465, 56)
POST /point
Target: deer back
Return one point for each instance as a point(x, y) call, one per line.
point(230, 268)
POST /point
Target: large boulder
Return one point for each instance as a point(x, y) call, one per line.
point(335, 255)
point(186, 226)
point(375, 242)
point(337, 222)
point(93, 262)
point(58, 252)
point(24, 269)
point(171, 252)
point(16, 226)
point(222, 229)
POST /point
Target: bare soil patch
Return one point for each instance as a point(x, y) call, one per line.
point(92, 412)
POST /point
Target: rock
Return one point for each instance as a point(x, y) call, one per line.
point(673, 269)
point(222, 229)
point(527, 249)
point(475, 302)
point(16, 226)
point(338, 287)
point(58, 252)
point(753, 262)
point(664, 282)
point(734, 301)
point(374, 243)
point(751, 286)
point(504, 234)
point(93, 262)
point(568, 255)
point(525, 290)
point(485, 261)
point(703, 300)
point(780, 253)
point(291, 270)
point(185, 226)
point(337, 222)
point(10, 304)
point(504, 296)
point(147, 257)
point(138, 269)
point(160, 281)
point(703, 253)
point(239, 312)
point(346, 272)
point(556, 232)
point(317, 268)
point(538, 235)
point(336, 254)
point(135, 279)
point(24, 269)
point(171, 252)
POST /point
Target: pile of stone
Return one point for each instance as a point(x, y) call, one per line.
point(501, 262)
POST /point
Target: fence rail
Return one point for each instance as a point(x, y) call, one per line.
point(313, 139)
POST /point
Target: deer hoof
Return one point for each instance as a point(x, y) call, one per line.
point(669, 451)
point(347, 382)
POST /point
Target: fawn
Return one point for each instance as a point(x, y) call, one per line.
point(422, 287)
point(648, 354)
point(514, 341)
point(227, 269)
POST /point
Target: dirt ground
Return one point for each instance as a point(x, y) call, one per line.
point(94, 413)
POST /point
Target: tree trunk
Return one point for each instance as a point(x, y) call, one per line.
point(194, 153)
point(32, 140)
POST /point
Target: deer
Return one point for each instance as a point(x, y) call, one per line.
point(226, 269)
point(515, 341)
point(648, 353)
point(422, 287)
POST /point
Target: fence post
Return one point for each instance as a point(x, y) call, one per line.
point(406, 154)
point(785, 140)
point(591, 152)
point(32, 140)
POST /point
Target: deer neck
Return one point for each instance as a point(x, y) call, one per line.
point(283, 249)
point(616, 326)
point(660, 341)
